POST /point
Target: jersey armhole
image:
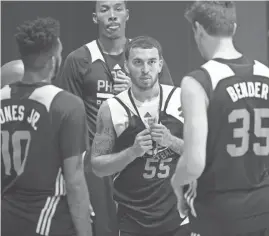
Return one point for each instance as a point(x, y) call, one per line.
point(202, 76)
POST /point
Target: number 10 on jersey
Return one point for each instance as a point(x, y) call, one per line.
point(17, 157)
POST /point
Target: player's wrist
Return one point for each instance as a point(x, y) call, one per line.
point(169, 140)
point(132, 152)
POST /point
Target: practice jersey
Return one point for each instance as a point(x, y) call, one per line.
point(89, 73)
point(146, 201)
point(37, 134)
point(233, 191)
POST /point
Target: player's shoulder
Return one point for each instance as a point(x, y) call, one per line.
point(122, 96)
point(170, 91)
point(15, 66)
point(169, 88)
point(66, 102)
point(70, 99)
point(105, 111)
point(79, 55)
point(199, 73)
point(5, 92)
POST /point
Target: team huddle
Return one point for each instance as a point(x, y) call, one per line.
point(107, 145)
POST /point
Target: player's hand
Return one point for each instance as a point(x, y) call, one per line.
point(142, 143)
point(182, 205)
point(161, 135)
point(121, 82)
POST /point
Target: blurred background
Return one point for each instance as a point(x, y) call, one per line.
point(163, 20)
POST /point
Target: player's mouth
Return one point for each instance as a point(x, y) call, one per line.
point(113, 27)
point(145, 78)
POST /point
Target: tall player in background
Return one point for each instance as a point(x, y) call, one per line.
point(226, 132)
point(127, 128)
point(11, 72)
point(43, 138)
point(95, 72)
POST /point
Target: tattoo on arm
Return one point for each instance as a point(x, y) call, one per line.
point(104, 139)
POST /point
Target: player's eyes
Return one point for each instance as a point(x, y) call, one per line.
point(152, 62)
point(119, 9)
point(103, 10)
point(137, 62)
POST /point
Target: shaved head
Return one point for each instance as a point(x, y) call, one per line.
point(11, 72)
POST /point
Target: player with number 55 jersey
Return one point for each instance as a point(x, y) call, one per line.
point(138, 140)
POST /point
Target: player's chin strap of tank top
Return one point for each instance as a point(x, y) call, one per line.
point(135, 107)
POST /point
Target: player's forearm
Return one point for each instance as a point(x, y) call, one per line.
point(185, 172)
point(176, 144)
point(78, 201)
point(110, 164)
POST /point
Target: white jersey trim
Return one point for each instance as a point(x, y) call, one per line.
point(217, 71)
point(120, 117)
point(48, 211)
point(260, 69)
point(95, 51)
point(45, 95)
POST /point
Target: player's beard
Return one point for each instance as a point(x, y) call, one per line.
point(145, 87)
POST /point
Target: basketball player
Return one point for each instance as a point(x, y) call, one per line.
point(11, 72)
point(43, 138)
point(138, 140)
point(226, 132)
point(96, 72)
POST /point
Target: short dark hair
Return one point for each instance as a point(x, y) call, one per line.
point(145, 42)
point(95, 3)
point(37, 41)
point(217, 17)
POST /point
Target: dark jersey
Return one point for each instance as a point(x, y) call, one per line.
point(146, 202)
point(232, 193)
point(88, 73)
point(41, 125)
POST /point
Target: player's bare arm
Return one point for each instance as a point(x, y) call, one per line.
point(74, 143)
point(77, 195)
point(162, 136)
point(104, 161)
point(194, 106)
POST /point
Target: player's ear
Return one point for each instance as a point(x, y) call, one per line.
point(126, 67)
point(235, 27)
point(127, 14)
point(199, 30)
point(160, 65)
point(94, 18)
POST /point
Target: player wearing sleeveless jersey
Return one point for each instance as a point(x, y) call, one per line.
point(43, 137)
point(138, 140)
point(226, 132)
point(95, 72)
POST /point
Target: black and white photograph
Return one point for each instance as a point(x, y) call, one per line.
point(134, 118)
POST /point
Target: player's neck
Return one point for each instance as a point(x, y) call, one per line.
point(224, 48)
point(145, 95)
point(112, 46)
point(32, 77)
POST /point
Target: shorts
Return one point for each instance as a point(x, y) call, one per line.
point(263, 232)
point(180, 231)
point(15, 221)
